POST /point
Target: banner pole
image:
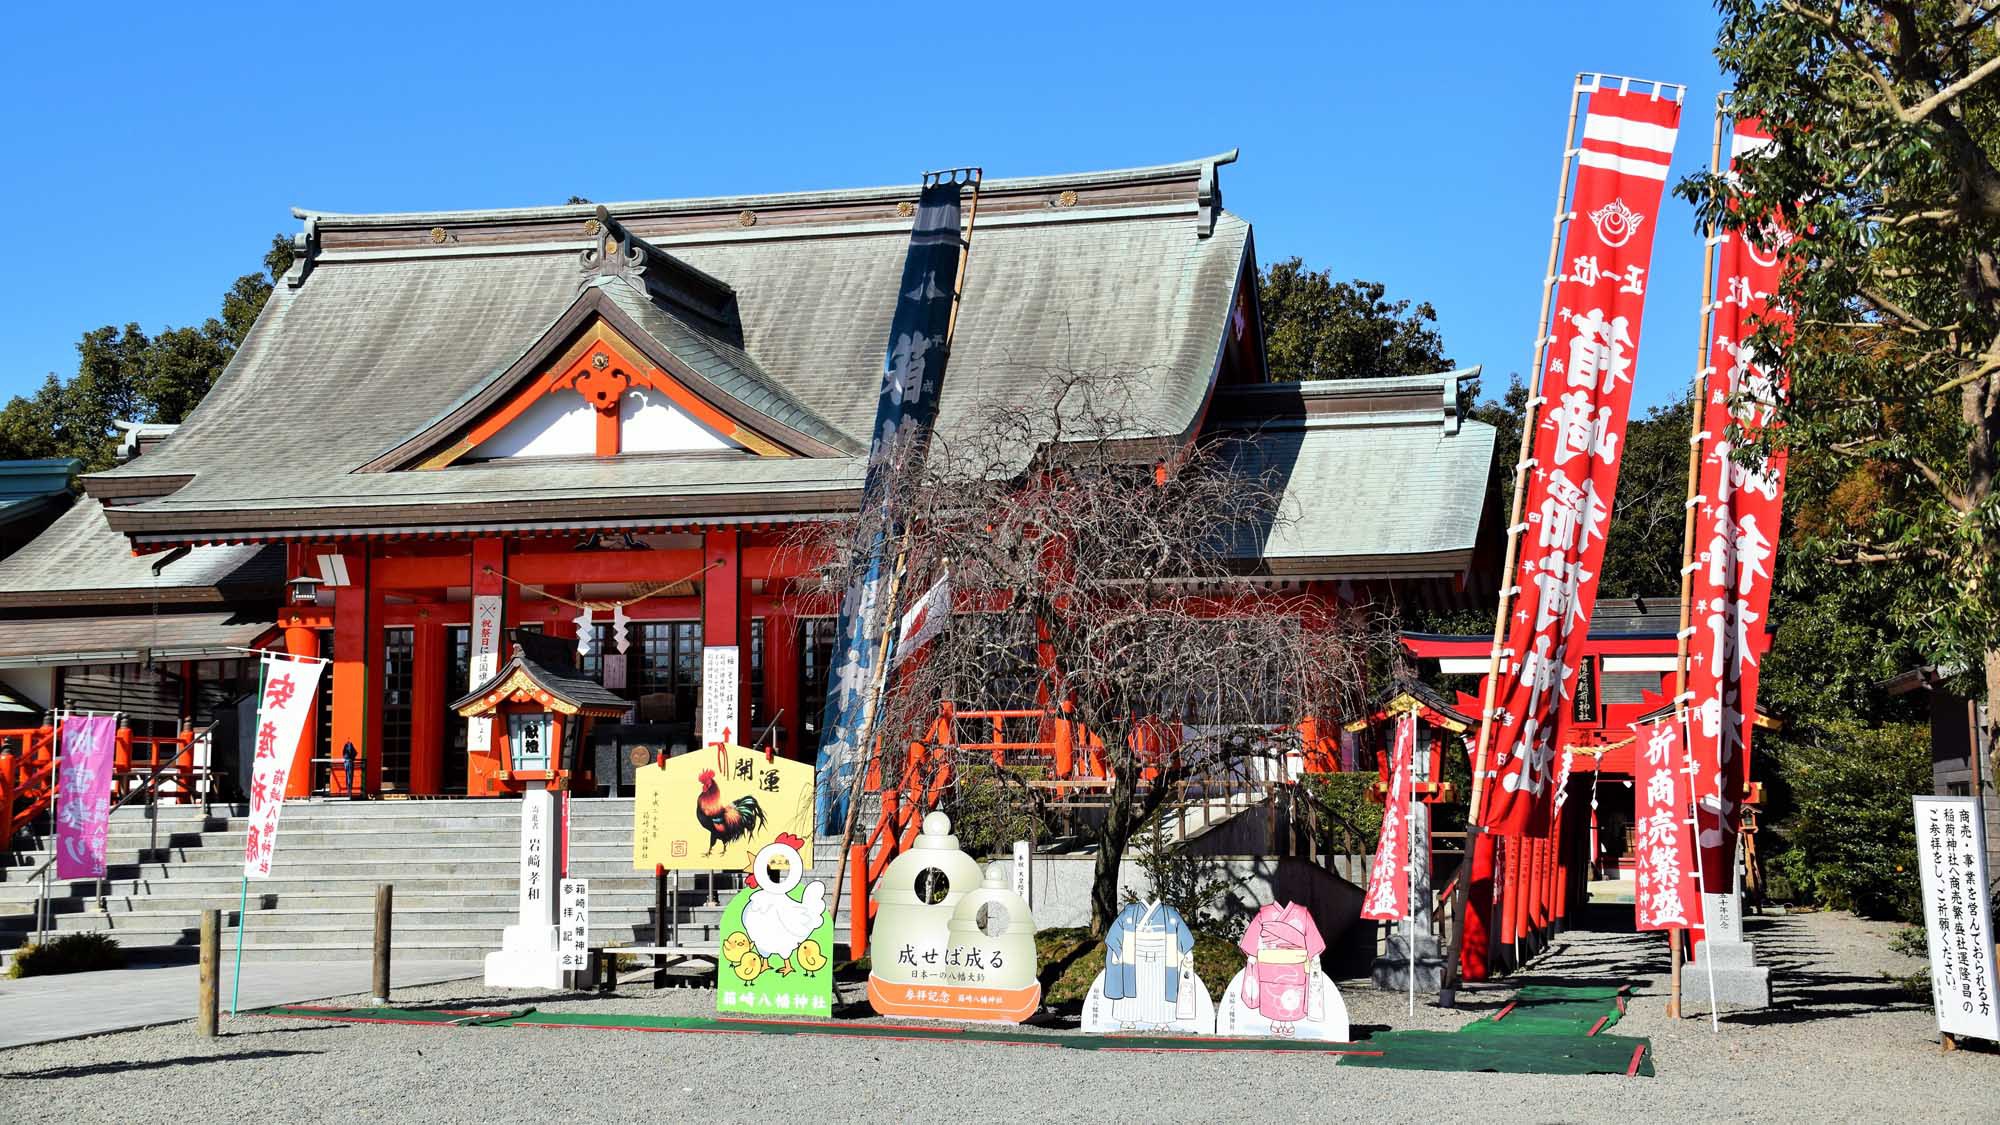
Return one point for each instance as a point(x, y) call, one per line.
point(1461, 899)
point(1694, 827)
point(1410, 846)
point(242, 917)
point(243, 899)
point(1696, 403)
point(865, 734)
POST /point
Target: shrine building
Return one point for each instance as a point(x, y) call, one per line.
point(448, 429)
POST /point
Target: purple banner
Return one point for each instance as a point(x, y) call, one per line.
point(83, 795)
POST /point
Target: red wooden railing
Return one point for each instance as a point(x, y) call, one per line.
point(1070, 757)
point(28, 775)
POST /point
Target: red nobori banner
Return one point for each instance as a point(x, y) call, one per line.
point(1389, 884)
point(1738, 508)
point(1580, 406)
point(1664, 893)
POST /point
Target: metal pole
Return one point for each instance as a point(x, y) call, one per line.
point(385, 904)
point(211, 952)
point(1699, 398)
point(1475, 804)
point(242, 923)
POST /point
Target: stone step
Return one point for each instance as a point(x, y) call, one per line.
point(229, 853)
point(199, 895)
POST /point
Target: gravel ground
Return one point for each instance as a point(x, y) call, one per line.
point(1843, 1041)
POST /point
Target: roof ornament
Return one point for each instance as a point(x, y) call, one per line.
point(613, 251)
point(305, 253)
point(1208, 193)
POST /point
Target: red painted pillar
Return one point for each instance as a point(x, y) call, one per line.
point(301, 640)
point(377, 608)
point(357, 661)
point(781, 679)
point(427, 703)
point(488, 563)
point(1475, 952)
point(725, 610)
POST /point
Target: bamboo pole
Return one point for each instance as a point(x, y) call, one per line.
point(1475, 805)
point(1695, 435)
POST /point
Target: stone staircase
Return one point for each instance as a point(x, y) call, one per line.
point(454, 866)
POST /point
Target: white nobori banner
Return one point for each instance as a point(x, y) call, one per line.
point(1951, 856)
point(282, 712)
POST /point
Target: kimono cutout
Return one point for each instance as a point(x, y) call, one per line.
point(1282, 991)
point(1149, 982)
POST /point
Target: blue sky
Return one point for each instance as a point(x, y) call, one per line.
point(151, 153)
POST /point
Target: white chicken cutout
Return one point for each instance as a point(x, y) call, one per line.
point(778, 937)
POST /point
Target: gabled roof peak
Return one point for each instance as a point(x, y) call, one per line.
point(614, 251)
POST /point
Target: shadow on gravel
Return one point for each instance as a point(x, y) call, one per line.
point(122, 1067)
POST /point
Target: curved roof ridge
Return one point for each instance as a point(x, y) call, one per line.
point(885, 192)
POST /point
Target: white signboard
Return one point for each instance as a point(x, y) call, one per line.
point(538, 861)
point(1951, 856)
point(486, 628)
point(1024, 854)
point(573, 924)
point(282, 711)
point(718, 696)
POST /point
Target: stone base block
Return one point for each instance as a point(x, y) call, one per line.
point(527, 959)
point(1739, 981)
point(1391, 971)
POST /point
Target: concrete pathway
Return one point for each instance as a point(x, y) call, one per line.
point(44, 1009)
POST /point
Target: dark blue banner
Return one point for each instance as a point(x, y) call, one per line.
point(912, 378)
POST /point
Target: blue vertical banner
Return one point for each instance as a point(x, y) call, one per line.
point(912, 379)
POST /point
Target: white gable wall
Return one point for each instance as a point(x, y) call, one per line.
point(650, 422)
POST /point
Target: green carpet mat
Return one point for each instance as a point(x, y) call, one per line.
point(1545, 1030)
point(461, 1018)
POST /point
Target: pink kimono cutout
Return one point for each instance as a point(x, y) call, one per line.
point(1283, 946)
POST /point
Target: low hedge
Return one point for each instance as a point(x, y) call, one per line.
point(1071, 959)
point(70, 953)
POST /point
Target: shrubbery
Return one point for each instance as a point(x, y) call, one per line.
point(1851, 833)
point(70, 953)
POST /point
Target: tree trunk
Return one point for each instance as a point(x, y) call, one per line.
point(1118, 828)
point(1986, 774)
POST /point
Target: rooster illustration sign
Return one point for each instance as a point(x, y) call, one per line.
point(777, 938)
point(716, 807)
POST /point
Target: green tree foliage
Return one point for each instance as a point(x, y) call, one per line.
point(1642, 549)
point(1853, 841)
point(1318, 328)
point(1886, 174)
point(125, 374)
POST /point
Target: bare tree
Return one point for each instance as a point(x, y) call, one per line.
point(1107, 578)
